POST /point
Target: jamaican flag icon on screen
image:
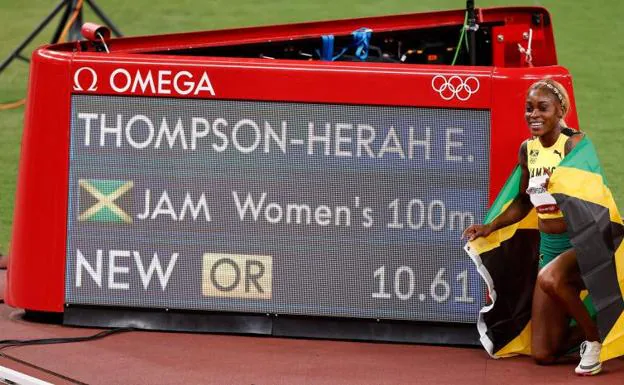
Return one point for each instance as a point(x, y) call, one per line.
point(507, 259)
point(103, 200)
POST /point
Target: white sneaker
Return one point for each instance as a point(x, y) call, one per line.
point(590, 359)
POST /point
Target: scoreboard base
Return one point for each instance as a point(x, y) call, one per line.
point(273, 325)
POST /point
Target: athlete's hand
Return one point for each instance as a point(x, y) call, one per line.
point(475, 231)
point(547, 172)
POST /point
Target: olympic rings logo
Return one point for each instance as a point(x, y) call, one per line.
point(455, 87)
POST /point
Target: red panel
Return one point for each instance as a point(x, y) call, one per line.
point(38, 249)
point(37, 265)
point(256, 79)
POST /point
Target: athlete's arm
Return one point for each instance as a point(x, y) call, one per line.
point(518, 209)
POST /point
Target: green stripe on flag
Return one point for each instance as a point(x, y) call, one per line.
point(106, 187)
point(509, 191)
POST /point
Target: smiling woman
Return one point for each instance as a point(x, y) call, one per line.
point(567, 256)
point(547, 104)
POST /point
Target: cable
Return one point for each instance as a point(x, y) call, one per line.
point(4, 344)
point(72, 19)
point(461, 37)
point(10, 106)
point(47, 341)
point(528, 55)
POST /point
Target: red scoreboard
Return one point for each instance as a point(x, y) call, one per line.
point(257, 180)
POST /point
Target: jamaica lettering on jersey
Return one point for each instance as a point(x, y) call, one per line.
point(540, 158)
point(540, 171)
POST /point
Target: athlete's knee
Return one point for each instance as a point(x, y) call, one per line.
point(550, 281)
point(542, 349)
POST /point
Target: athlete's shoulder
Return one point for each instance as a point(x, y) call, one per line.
point(574, 136)
point(530, 144)
point(571, 132)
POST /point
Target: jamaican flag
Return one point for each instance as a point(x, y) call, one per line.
point(508, 258)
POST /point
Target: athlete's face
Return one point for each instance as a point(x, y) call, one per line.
point(542, 112)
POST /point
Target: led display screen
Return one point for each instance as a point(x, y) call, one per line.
point(275, 207)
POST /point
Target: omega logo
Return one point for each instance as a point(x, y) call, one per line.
point(77, 79)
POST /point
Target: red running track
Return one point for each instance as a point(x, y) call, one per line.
point(185, 358)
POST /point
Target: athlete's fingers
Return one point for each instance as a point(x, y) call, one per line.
point(473, 232)
point(475, 235)
point(468, 233)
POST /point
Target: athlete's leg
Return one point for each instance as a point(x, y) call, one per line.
point(549, 327)
point(573, 340)
point(561, 280)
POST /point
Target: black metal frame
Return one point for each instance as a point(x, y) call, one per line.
point(472, 28)
point(266, 324)
point(74, 31)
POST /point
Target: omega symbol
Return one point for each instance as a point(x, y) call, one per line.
point(77, 82)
